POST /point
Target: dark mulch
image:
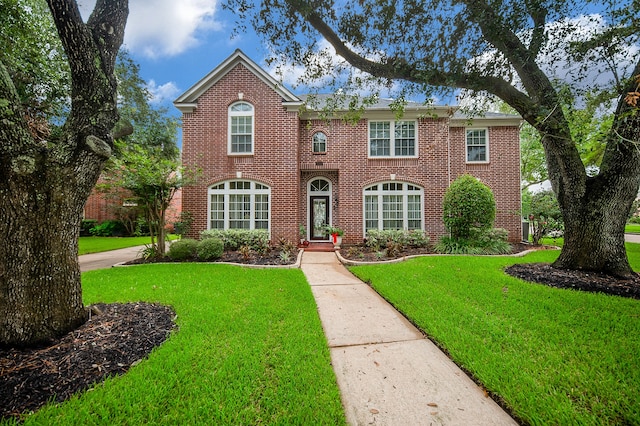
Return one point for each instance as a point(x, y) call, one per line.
point(543, 273)
point(110, 342)
point(115, 337)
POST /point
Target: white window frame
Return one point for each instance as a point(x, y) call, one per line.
point(407, 189)
point(392, 139)
point(237, 114)
point(315, 141)
point(486, 145)
point(224, 194)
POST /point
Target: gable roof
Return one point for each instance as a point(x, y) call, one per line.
point(188, 101)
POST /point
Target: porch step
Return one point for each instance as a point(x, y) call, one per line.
point(320, 246)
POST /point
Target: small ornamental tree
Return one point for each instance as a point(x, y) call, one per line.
point(468, 206)
point(544, 215)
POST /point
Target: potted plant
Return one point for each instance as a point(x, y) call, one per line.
point(303, 235)
point(336, 235)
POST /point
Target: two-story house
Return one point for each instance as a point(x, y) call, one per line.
point(269, 162)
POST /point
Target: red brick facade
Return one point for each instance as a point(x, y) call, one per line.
point(283, 157)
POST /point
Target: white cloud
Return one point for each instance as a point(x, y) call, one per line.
point(160, 28)
point(162, 93)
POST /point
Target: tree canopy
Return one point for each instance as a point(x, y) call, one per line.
point(523, 52)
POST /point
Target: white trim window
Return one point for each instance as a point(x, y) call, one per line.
point(393, 205)
point(319, 140)
point(401, 142)
point(477, 144)
point(239, 204)
point(241, 128)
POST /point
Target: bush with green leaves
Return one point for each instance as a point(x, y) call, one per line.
point(468, 204)
point(544, 215)
point(109, 228)
point(256, 239)
point(183, 249)
point(481, 241)
point(377, 239)
point(210, 249)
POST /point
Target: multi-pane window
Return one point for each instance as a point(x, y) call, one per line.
point(393, 205)
point(239, 204)
point(241, 128)
point(477, 146)
point(319, 142)
point(392, 138)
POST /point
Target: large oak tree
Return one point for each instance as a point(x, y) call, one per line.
point(509, 49)
point(45, 179)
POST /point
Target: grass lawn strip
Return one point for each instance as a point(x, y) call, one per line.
point(554, 356)
point(87, 245)
point(249, 350)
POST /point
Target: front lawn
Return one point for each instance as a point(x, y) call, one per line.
point(88, 245)
point(554, 356)
point(632, 228)
point(249, 350)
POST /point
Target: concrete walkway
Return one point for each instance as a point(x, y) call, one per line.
point(107, 259)
point(632, 238)
point(387, 371)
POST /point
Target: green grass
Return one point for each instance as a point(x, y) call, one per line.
point(632, 228)
point(250, 350)
point(554, 356)
point(88, 245)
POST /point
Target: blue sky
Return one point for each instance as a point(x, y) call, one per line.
point(177, 43)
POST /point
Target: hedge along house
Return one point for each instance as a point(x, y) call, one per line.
point(269, 162)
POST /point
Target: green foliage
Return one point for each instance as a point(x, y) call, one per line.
point(109, 228)
point(86, 225)
point(256, 239)
point(210, 249)
point(183, 249)
point(183, 225)
point(399, 239)
point(468, 204)
point(544, 216)
point(481, 241)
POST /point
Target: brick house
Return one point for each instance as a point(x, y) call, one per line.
point(269, 163)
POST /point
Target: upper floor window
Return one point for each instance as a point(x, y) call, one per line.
point(239, 204)
point(393, 205)
point(319, 142)
point(477, 146)
point(392, 138)
point(241, 128)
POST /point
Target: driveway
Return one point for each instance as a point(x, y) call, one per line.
point(107, 259)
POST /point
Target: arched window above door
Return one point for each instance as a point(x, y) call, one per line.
point(320, 185)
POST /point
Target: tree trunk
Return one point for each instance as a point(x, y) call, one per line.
point(594, 232)
point(44, 184)
point(595, 209)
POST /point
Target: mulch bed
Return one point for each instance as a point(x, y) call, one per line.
point(121, 335)
point(543, 273)
point(115, 337)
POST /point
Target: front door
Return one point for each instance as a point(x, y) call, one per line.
point(319, 217)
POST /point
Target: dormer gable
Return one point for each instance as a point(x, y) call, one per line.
point(188, 101)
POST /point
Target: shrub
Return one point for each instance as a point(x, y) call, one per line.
point(108, 228)
point(183, 225)
point(482, 241)
point(86, 225)
point(183, 249)
point(256, 239)
point(210, 249)
point(468, 203)
point(401, 239)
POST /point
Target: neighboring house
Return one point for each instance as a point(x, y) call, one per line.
point(270, 163)
point(101, 206)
